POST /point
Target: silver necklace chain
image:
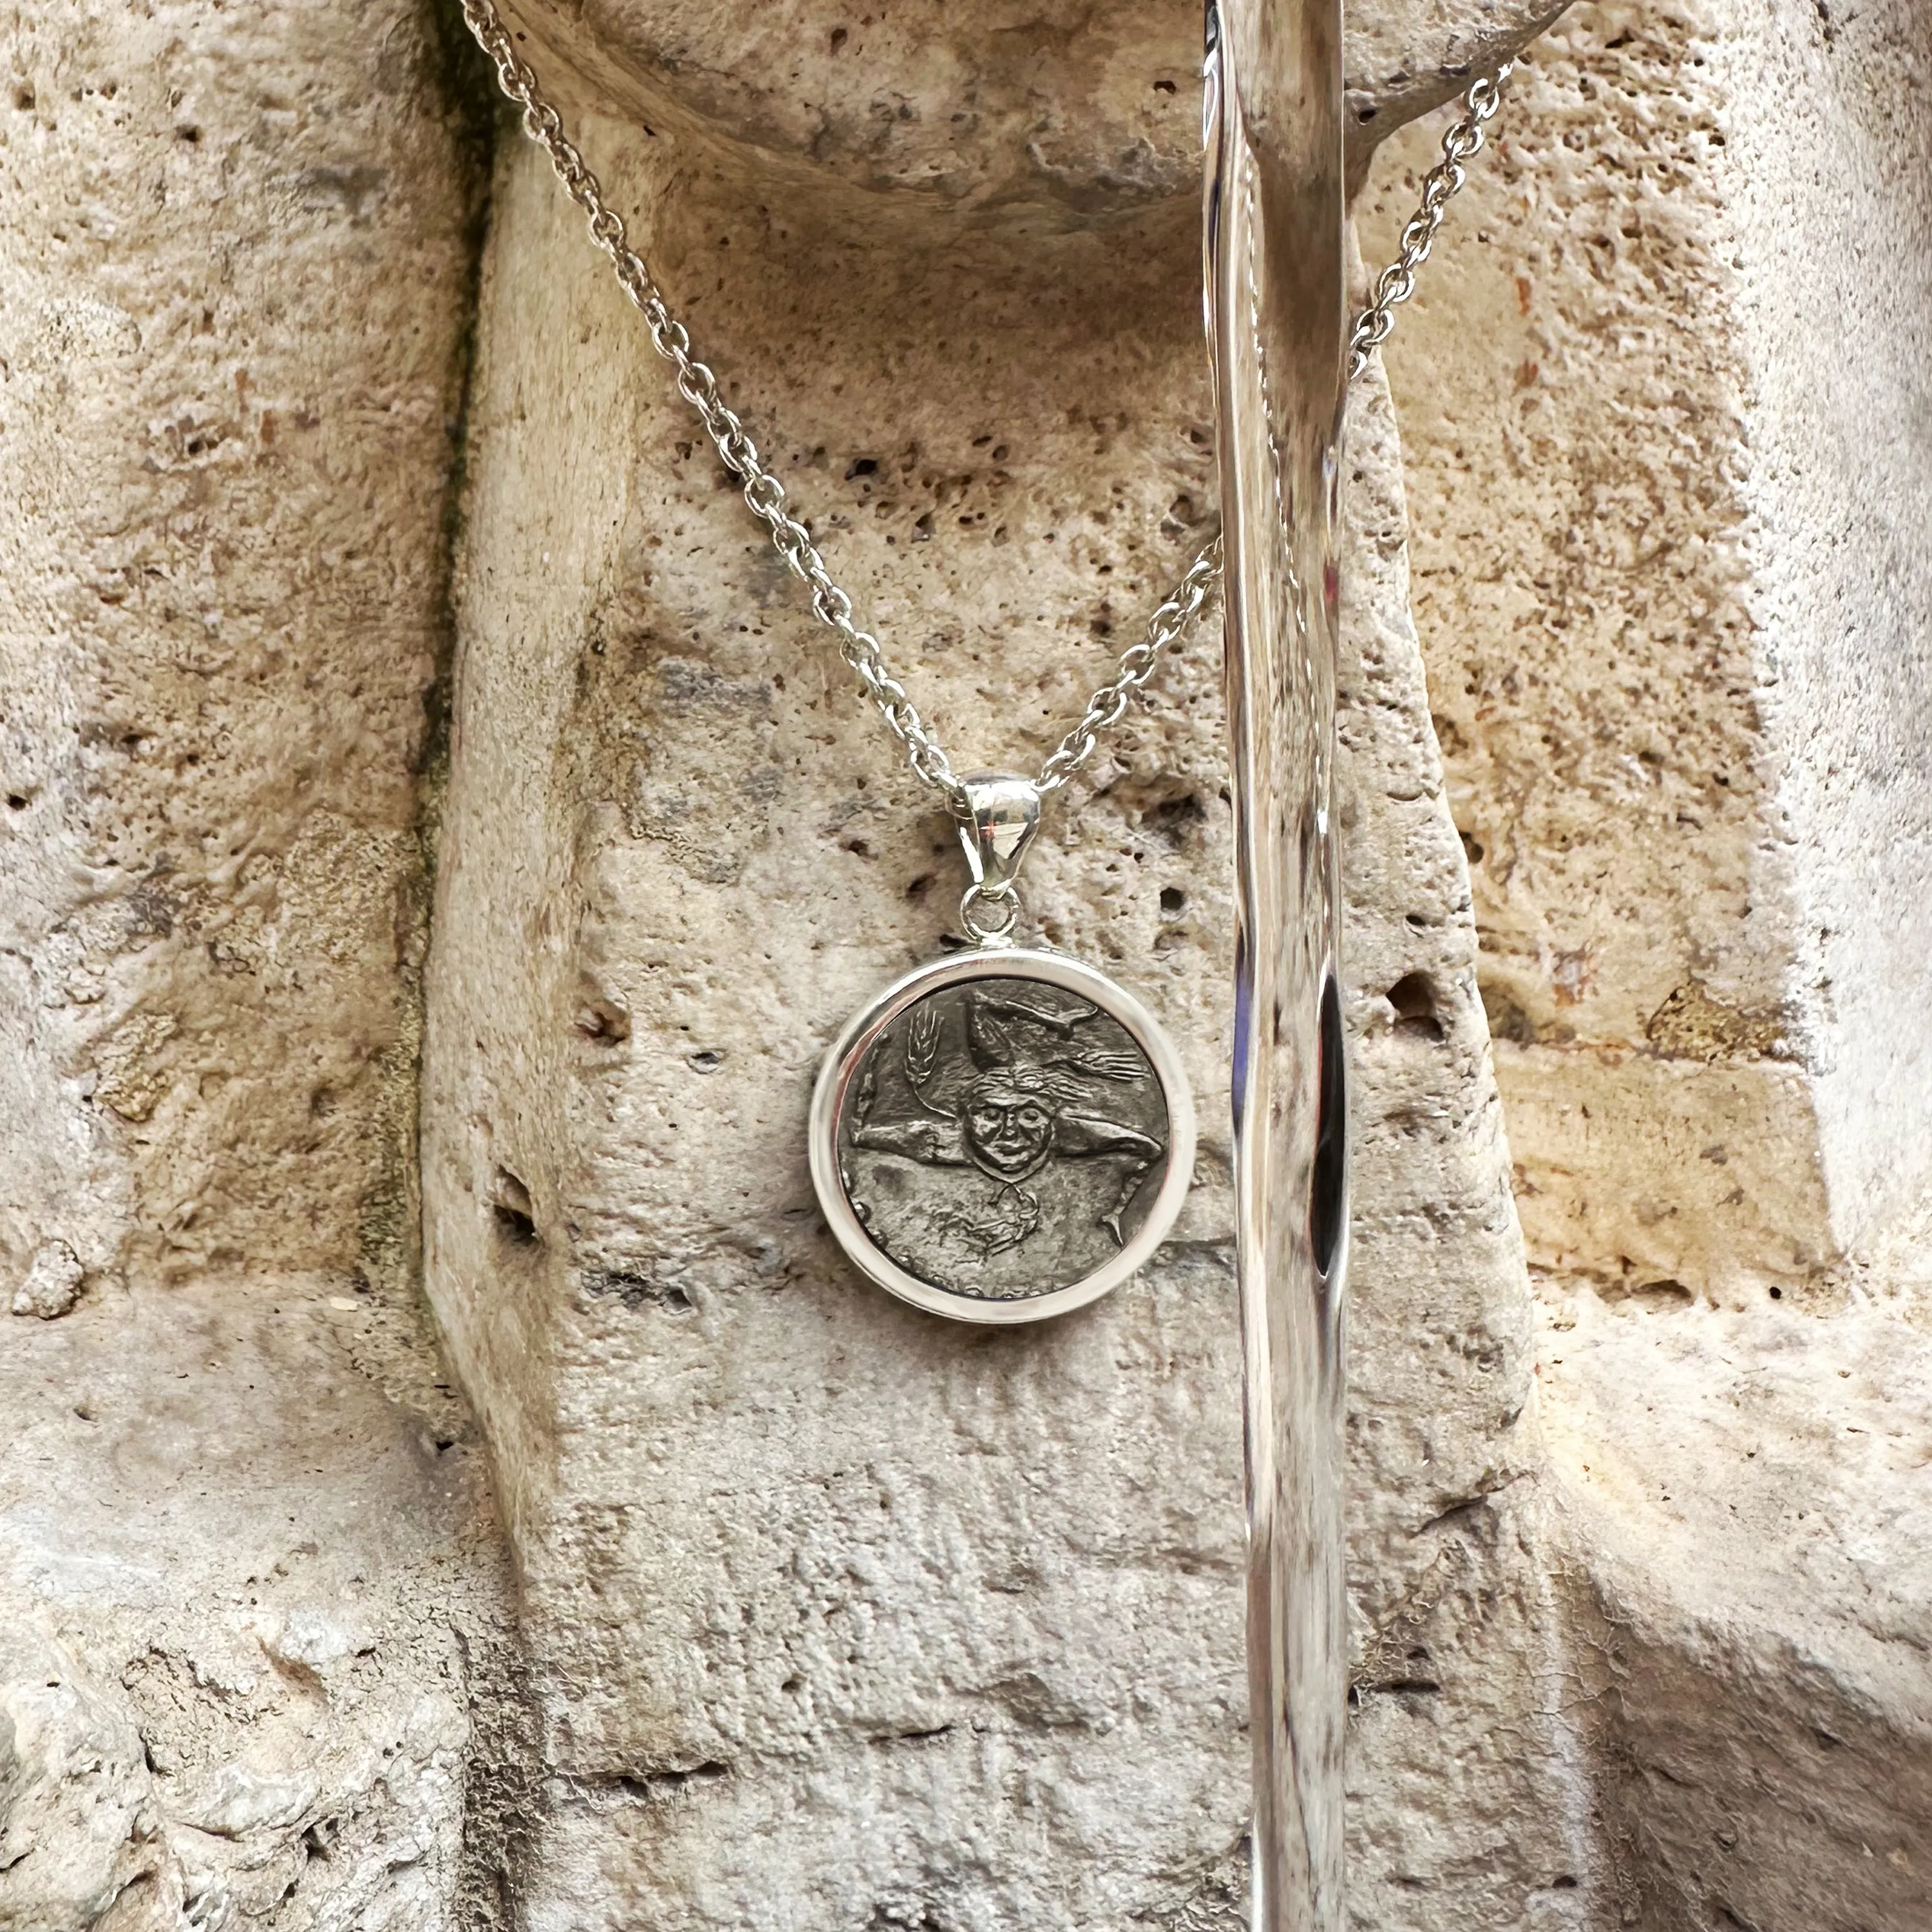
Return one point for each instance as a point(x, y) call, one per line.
point(765, 495)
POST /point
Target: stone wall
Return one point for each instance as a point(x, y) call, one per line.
point(408, 743)
point(1671, 578)
point(249, 1593)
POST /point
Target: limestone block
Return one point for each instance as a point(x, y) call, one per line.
point(839, 1612)
point(231, 298)
point(1684, 1173)
point(247, 1580)
point(840, 1615)
point(1696, 831)
point(251, 1601)
point(1010, 113)
point(1672, 579)
point(1749, 1491)
point(829, 1614)
point(1464, 1811)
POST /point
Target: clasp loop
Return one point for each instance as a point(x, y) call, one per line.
point(997, 823)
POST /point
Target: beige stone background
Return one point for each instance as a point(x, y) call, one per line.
point(446, 1477)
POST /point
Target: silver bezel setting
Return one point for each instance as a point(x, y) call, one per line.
point(841, 1067)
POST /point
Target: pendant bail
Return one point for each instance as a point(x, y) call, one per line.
point(999, 817)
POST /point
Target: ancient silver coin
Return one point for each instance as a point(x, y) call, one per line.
point(1003, 1136)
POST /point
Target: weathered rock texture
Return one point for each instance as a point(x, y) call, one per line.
point(839, 1615)
point(235, 289)
point(1673, 585)
point(831, 1616)
point(1465, 1810)
point(842, 1614)
point(247, 1581)
point(251, 1608)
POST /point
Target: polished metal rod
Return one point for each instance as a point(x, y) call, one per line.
point(1276, 314)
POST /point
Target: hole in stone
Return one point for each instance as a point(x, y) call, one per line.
point(1176, 819)
point(1472, 849)
point(604, 1021)
point(601, 1016)
point(16, 801)
point(1172, 900)
point(1778, 1295)
point(863, 466)
point(705, 1060)
point(917, 889)
point(1663, 1295)
point(510, 1209)
point(1414, 999)
point(637, 1290)
point(840, 35)
point(1563, 1882)
point(675, 1777)
point(514, 1226)
point(1163, 87)
point(23, 98)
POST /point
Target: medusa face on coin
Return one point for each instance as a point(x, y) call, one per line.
point(1010, 1119)
point(1004, 1139)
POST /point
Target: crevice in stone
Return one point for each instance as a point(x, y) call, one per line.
point(636, 1290)
point(1417, 1014)
point(511, 1210)
point(500, 1800)
point(913, 1735)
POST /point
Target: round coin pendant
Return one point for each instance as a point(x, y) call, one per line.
point(1002, 1136)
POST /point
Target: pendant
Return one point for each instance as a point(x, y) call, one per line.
point(1004, 1134)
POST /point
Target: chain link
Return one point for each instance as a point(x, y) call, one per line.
point(765, 495)
point(1396, 283)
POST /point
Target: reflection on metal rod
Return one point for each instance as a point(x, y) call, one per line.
point(1277, 321)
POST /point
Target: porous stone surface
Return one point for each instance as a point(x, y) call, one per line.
point(840, 1614)
point(1672, 581)
point(253, 1620)
point(1747, 1501)
point(232, 321)
point(827, 1614)
point(1671, 574)
point(1029, 114)
point(52, 1284)
point(250, 1587)
point(1466, 1808)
